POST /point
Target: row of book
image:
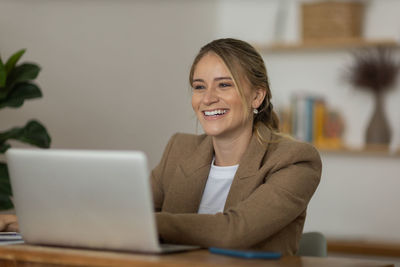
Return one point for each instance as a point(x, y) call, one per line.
point(311, 120)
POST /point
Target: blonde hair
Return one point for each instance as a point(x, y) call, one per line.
point(242, 60)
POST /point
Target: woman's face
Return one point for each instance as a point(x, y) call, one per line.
point(216, 100)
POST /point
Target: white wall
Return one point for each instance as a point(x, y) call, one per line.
point(114, 73)
point(357, 198)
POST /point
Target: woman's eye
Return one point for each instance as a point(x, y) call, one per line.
point(198, 87)
point(223, 85)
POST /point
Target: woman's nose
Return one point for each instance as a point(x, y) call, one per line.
point(210, 96)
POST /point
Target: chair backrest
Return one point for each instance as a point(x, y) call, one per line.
point(312, 244)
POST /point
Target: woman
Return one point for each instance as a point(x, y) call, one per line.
point(241, 184)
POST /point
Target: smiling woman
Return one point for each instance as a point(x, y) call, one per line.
point(241, 184)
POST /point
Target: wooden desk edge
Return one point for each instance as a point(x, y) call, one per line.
point(74, 257)
point(364, 247)
point(27, 255)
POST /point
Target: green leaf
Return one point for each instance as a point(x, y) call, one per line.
point(12, 61)
point(5, 202)
point(33, 133)
point(4, 147)
point(26, 91)
point(5, 186)
point(19, 94)
point(22, 73)
point(3, 75)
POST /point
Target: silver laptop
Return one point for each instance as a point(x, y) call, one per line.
point(82, 198)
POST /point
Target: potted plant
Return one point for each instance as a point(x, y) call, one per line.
point(16, 86)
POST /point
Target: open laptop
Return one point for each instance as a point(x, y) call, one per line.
point(82, 198)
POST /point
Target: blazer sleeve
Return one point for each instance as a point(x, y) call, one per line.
point(272, 206)
point(157, 174)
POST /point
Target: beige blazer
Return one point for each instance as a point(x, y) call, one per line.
point(266, 205)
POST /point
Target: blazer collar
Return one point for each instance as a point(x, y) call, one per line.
point(252, 158)
point(201, 157)
point(248, 166)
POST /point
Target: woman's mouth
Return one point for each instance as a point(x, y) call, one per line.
point(214, 114)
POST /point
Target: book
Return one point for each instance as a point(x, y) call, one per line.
point(312, 121)
point(10, 238)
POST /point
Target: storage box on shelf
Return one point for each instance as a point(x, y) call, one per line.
point(331, 20)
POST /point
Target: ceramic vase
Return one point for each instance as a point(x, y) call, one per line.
point(378, 130)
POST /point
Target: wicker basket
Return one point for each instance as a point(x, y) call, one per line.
point(331, 20)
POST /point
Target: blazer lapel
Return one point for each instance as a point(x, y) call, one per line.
point(188, 184)
point(248, 167)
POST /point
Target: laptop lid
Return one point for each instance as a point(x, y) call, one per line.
point(82, 198)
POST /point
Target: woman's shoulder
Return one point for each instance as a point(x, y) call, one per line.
point(282, 145)
point(288, 143)
point(284, 148)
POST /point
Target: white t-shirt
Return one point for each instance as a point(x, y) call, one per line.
point(217, 188)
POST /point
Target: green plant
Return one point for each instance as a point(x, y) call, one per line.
point(16, 86)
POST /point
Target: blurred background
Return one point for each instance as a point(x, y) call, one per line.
point(115, 76)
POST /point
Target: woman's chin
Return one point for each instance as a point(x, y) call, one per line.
point(212, 131)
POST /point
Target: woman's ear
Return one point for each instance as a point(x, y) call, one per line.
point(258, 97)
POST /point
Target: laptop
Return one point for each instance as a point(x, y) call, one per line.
point(85, 198)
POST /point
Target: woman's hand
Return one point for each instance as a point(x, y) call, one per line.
point(8, 223)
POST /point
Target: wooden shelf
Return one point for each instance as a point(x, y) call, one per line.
point(368, 152)
point(332, 44)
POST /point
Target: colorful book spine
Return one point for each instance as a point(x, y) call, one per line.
point(319, 120)
point(311, 121)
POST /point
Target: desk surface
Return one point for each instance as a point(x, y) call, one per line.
point(26, 255)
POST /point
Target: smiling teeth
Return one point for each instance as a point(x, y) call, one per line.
point(215, 112)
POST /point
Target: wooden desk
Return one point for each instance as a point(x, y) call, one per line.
point(33, 256)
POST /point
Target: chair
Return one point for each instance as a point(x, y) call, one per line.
point(312, 244)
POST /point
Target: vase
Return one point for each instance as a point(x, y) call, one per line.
point(378, 130)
